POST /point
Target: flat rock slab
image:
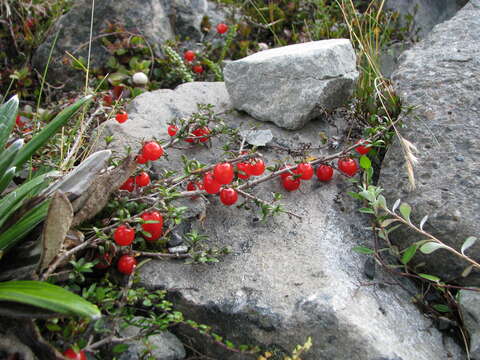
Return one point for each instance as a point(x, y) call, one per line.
point(440, 79)
point(294, 84)
point(285, 279)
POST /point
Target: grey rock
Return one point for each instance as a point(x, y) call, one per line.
point(294, 84)
point(257, 137)
point(182, 249)
point(165, 346)
point(439, 79)
point(285, 279)
point(175, 239)
point(469, 306)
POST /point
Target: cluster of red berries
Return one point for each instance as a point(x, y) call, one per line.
point(200, 134)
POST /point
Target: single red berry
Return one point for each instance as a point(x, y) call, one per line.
point(128, 185)
point(172, 130)
point(189, 55)
point(155, 229)
point(257, 167)
point(104, 261)
point(284, 175)
point(210, 184)
point(290, 183)
point(141, 159)
point(72, 354)
point(198, 69)
point(126, 264)
point(363, 149)
point(222, 28)
point(124, 235)
point(152, 151)
point(348, 166)
point(204, 132)
point(191, 186)
point(19, 121)
point(305, 170)
point(107, 100)
point(243, 170)
point(223, 173)
point(324, 172)
point(121, 117)
point(142, 179)
point(228, 196)
point(117, 91)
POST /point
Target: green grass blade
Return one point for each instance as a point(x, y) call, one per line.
point(21, 228)
point(43, 136)
point(9, 154)
point(8, 112)
point(6, 178)
point(48, 296)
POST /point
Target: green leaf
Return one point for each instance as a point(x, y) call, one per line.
point(442, 308)
point(388, 222)
point(47, 296)
point(8, 112)
point(468, 243)
point(405, 210)
point(120, 348)
point(424, 220)
point(430, 277)
point(467, 270)
point(43, 136)
point(409, 253)
point(355, 195)
point(365, 162)
point(7, 178)
point(381, 202)
point(363, 250)
point(395, 205)
point(366, 211)
point(9, 154)
point(430, 247)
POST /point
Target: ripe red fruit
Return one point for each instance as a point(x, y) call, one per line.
point(107, 100)
point(257, 167)
point(191, 186)
point(228, 196)
point(104, 261)
point(223, 173)
point(121, 117)
point(126, 264)
point(124, 235)
point(19, 121)
point(243, 171)
point(348, 166)
point(155, 229)
point(202, 133)
point(141, 159)
point(210, 184)
point(324, 173)
point(128, 185)
point(152, 151)
point(290, 183)
point(305, 170)
point(142, 179)
point(172, 130)
point(189, 55)
point(198, 69)
point(72, 354)
point(363, 149)
point(222, 28)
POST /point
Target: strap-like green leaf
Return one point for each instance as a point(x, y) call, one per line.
point(8, 111)
point(9, 154)
point(6, 178)
point(43, 136)
point(48, 296)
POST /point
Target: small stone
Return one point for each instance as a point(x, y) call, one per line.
point(262, 46)
point(175, 240)
point(182, 249)
point(460, 158)
point(140, 79)
point(257, 137)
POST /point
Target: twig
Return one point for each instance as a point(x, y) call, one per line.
point(250, 196)
point(163, 255)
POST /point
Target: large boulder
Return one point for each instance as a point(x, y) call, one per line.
point(294, 84)
point(285, 279)
point(439, 85)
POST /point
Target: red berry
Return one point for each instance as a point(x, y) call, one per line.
point(363, 149)
point(228, 196)
point(19, 121)
point(223, 173)
point(222, 28)
point(257, 167)
point(189, 55)
point(72, 354)
point(121, 117)
point(305, 170)
point(210, 184)
point(141, 159)
point(155, 229)
point(152, 151)
point(348, 166)
point(128, 185)
point(191, 186)
point(124, 235)
point(324, 173)
point(142, 179)
point(243, 170)
point(286, 173)
point(203, 133)
point(117, 91)
point(172, 130)
point(290, 183)
point(107, 100)
point(198, 69)
point(126, 264)
point(104, 261)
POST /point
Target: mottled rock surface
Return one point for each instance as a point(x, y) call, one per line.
point(440, 78)
point(294, 84)
point(469, 306)
point(285, 279)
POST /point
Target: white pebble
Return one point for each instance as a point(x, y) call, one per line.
point(140, 78)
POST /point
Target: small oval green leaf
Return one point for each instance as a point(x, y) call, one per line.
point(365, 162)
point(409, 253)
point(430, 247)
point(468, 243)
point(363, 250)
point(405, 210)
point(430, 277)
